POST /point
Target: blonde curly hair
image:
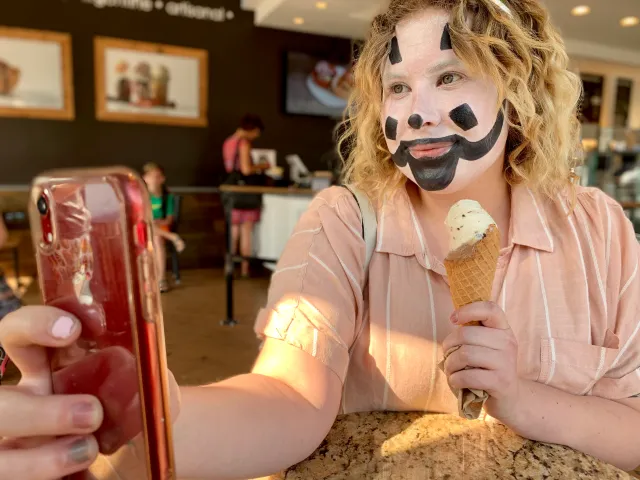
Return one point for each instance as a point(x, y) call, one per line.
point(525, 57)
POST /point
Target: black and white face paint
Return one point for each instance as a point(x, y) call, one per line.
point(395, 56)
point(442, 124)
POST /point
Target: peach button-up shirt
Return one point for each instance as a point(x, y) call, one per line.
point(568, 283)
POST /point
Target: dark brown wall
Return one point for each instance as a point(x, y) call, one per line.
point(246, 74)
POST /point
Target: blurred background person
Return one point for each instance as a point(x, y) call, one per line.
point(8, 300)
point(241, 170)
point(162, 205)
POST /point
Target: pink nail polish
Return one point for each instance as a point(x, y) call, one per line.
point(84, 415)
point(454, 317)
point(62, 328)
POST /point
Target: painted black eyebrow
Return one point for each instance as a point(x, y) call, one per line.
point(395, 56)
point(445, 41)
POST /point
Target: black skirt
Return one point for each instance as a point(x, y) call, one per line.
point(243, 201)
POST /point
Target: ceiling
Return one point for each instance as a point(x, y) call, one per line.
point(342, 18)
point(598, 35)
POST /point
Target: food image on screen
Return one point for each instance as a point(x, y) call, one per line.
point(316, 86)
point(9, 76)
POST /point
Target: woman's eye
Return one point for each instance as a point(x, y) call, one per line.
point(399, 89)
point(449, 78)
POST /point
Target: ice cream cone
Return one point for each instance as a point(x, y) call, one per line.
point(472, 268)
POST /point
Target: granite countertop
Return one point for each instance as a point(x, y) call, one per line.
point(415, 446)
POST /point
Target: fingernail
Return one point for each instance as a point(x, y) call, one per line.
point(83, 415)
point(79, 451)
point(454, 317)
point(62, 327)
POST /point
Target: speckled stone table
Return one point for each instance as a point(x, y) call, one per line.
point(413, 446)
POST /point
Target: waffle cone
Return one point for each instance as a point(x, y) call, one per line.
point(472, 268)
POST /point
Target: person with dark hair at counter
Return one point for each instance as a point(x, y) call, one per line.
point(241, 170)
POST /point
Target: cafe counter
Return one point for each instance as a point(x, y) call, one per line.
point(281, 209)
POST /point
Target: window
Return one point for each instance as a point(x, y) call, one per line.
point(623, 100)
point(592, 98)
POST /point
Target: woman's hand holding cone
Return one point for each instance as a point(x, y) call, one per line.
point(487, 357)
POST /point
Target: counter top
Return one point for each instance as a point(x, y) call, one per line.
point(266, 190)
point(630, 205)
point(411, 446)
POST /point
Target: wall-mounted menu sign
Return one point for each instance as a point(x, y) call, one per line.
point(173, 8)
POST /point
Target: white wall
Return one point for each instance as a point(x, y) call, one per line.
point(611, 72)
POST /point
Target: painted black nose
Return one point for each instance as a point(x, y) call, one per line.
point(415, 121)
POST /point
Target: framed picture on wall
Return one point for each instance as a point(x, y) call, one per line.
point(150, 83)
point(36, 79)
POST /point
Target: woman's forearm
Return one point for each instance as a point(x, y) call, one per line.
point(246, 427)
point(599, 427)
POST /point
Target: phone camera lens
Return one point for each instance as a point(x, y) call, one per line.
point(43, 206)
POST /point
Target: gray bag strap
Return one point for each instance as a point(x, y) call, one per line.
point(369, 224)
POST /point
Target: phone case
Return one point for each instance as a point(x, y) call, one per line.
point(94, 247)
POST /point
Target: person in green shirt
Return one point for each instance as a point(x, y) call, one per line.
point(8, 299)
point(162, 205)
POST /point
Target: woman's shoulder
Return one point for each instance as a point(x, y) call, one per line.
point(594, 194)
point(332, 209)
point(600, 222)
point(233, 142)
point(333, 195)
point(598, 206)
point(338, 199)
point(588, 204)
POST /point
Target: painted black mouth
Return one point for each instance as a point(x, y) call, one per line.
point(451, 139)
point(430, 141)
point(437, 173)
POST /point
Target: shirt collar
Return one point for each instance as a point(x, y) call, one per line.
point(400, 233)
point(529, 223)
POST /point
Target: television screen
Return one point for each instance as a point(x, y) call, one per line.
point(316, 86)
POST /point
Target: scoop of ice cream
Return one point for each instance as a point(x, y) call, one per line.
point(468, 223)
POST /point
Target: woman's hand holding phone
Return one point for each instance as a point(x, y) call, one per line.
point(43, 436)
point(91, 232)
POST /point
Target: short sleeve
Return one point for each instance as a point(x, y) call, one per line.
point(171, 203)
point(315, 297)
point(621, 378)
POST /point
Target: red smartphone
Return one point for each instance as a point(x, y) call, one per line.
point(94, 247)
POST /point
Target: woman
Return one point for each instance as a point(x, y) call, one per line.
point(557, 352)
point(8, 300)
point(162, 206)
point(236, 152)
